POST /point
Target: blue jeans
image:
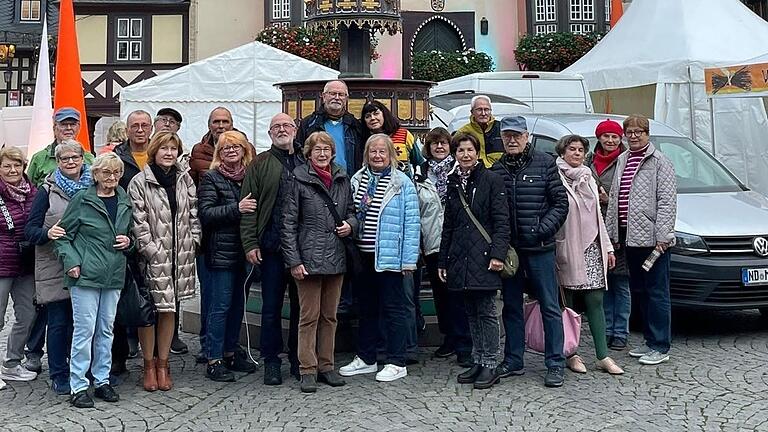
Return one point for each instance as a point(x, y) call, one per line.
point(225, 310)
point(274, 279)
point(537, 270)
point(93, 312)
point(59, 339)
point(651, 291)
point(617, 304)
point(36, 340)
point(202, 276)
point(450, 309)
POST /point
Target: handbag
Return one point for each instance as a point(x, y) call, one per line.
point(534, 328)
point(511, 261)
point(136, 307)
point(354, 259)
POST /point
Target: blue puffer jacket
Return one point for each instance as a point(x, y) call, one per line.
point(397, 239)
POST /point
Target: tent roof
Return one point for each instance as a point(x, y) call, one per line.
point(655, 41)
point(243, 74)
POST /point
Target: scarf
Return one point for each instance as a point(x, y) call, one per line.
point(370, 192)
point(602, 160)
point(464, 175)
point(578, 179)
point(324, 174)
point(19, 192)
point(235, 174)
point(168, 181)
point(515, 162)
point(69, 186)
point(440, 170)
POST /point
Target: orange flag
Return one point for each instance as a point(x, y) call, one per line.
point(617, 8)
point(68, 80)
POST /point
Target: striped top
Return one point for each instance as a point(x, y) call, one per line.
point(367, 240)
point(633, 163)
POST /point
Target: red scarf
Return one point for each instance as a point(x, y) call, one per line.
point(602, 161)
point(324, 174)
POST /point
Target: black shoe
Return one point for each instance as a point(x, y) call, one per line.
point(506, 370)
point(106, 393)
point(308, 383)
point(81, 400)
point(618, 344)
point(486, 379)
point(133, 348)
point(555, 377)
point(118, 368)
point(410, 361)
point(201, 358)
point(332, 378)
point(464, 360)
point(295, 371)
point(216, 371)
point(272, 374)
point(179, 347)
point(239, 364)
point(444, 351)
point(470, 375)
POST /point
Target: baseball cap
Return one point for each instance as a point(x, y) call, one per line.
point(514, 123)
point(65, 113)
point(170, 112)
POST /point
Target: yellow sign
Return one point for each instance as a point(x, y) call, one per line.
point(741, 80)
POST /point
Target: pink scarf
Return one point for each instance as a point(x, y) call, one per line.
point(235, 174)
point(19, 192)
point(578, 178)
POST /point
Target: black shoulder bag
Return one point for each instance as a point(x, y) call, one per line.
point(354, 260)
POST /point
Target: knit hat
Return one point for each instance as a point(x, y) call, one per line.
point(608, 126)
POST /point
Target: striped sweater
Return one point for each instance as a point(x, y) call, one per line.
point(367, 239)
point(625, 185)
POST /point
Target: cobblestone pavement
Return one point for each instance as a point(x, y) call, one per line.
point(716, 381)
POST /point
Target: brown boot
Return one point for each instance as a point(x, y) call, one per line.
point(150, 375)
point(164, 382)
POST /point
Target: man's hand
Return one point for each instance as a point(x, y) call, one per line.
point(298, 272)
point(254, 256)
point(56, 232)
point(74, 272)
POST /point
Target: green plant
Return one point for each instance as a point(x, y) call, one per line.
point(318, 46)
point(439, 66)
point(553, 52)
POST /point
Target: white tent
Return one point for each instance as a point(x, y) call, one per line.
point(663, 47)
point(240, 79)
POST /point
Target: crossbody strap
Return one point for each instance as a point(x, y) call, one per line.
point(6, 215)
point(329, 203)
point(472, 216)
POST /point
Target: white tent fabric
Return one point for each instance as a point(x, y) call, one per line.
point(669, 43)
point(240, 79)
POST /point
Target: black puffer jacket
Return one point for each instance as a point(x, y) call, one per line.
point(218, 200)
point(538, 202)
point(464, 253)
point(308, 236)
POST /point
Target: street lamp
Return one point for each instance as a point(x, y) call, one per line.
point(8, 76)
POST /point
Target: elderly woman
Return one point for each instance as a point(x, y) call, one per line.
point(376, 118)
point(468, 263)
point(617, 300)
point(43, 227)
point(314, 251)
point(387, 210)
point(167, 236)
point(92, 251)
point(641, 218)
point(16, 196)
point(583, 251)
point(220, 207)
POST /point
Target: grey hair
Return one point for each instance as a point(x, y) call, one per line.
point(325, 87)
point(68, 145)
point(135, 113)
point(106, 160)
point(390, 149)
point(477, 98)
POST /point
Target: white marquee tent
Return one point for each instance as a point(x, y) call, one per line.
point(240, 79)
point(662, 47)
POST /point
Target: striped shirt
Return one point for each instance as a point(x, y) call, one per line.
point(367, 241)
point(633, 163)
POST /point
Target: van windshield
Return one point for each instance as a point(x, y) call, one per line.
point(696, 170)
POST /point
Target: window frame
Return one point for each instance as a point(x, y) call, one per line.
point(130, 38)
point(29, 6)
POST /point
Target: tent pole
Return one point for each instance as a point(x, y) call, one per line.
point(691, 106)
point(712, 121)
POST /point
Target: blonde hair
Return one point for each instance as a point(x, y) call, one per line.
point(390, 149)
point(14, 154)
point(236, 138)
point(118, 132)
point(319, 137)
point(105, 161)
point(160, 139)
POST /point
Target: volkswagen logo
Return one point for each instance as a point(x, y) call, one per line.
point(761, 246)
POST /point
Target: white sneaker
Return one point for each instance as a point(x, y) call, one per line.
point(391, 373)
point(16, 373)
point(357, 367)
point(2, 384)
point(640, 351)
point(654, 357)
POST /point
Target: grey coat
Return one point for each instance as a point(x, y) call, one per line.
point(49, 273)
point(605, 180)
point(652, 201)
point(308, 230)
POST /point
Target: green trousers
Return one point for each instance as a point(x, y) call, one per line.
point(593, 302)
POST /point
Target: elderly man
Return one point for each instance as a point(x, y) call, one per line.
point(219, 121)
point(265, 181)
point(538, 206)
point(167, 120)
point(332, 117)
point(486, 129)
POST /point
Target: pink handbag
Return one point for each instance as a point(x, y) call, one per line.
point(534, 329)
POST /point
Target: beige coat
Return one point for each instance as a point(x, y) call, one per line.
point(161, 252)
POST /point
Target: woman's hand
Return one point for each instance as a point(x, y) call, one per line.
point(407, 272)
point(442, 274)
point(344, 230)
point(662, 247)
point(603, 196)
point(298, 272)
point(121, 242)
point(495, 265)
point(611, 261)
point(56, 232)
point(247, 204)
point(74, 272)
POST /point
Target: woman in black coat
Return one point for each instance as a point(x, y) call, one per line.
point(219, 209)
point(467, 261)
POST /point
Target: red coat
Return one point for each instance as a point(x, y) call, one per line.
point(201, 157)
point(10, 259)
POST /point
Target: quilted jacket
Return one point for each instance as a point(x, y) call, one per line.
point(166, 248)
point(218, 204)
point(397, 237)
point(430, 210)
point(652, 201)
point(10, 258)
point(464, 252)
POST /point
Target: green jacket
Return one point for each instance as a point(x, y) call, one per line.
point(262, 181)
point(90, 239)
point(44, 162)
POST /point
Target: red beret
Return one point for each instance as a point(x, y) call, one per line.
point(608, 126)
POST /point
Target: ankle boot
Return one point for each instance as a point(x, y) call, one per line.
point(164, 382)
point(150, 375)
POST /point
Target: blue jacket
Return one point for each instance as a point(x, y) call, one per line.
point(397, 237)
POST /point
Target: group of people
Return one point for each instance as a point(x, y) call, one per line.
point(339, 212)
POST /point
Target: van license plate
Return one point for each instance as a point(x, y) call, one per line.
point(758, 276)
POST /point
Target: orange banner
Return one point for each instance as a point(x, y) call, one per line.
point(740, 80)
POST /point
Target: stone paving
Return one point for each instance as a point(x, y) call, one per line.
point(717, 381)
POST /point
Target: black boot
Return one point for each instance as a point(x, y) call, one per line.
point(470, 375)
point(487, 378)
point(308, 383)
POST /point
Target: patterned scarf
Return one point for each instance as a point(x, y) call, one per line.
point(235, 174)
point(19, 192)
point(440, 170)
point(69, 186)
point(464, 176)
point(367, 199)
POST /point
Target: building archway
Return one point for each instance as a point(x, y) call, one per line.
point(427, 32)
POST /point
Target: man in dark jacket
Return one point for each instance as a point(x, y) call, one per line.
point(219, 121)
point(538, 206)
point(266, 180)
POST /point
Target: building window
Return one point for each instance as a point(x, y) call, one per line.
point(546, 28)
point(30, 10)
point(545, 10)
point(607, 10)
point(551, 10)
point(582, 28)
point(130, 43)
point(281, 9)
point(582, 10)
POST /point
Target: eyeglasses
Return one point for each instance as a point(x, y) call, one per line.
point(482, 110)
point(638, 133)
point(286, 126)
point(137, 126)
point(231, 148)
point(108, 174)
point(320, 150)
point(340, 95)
point(70, 159)
point(439, 143)
point(68, 125)
point(167, 120)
